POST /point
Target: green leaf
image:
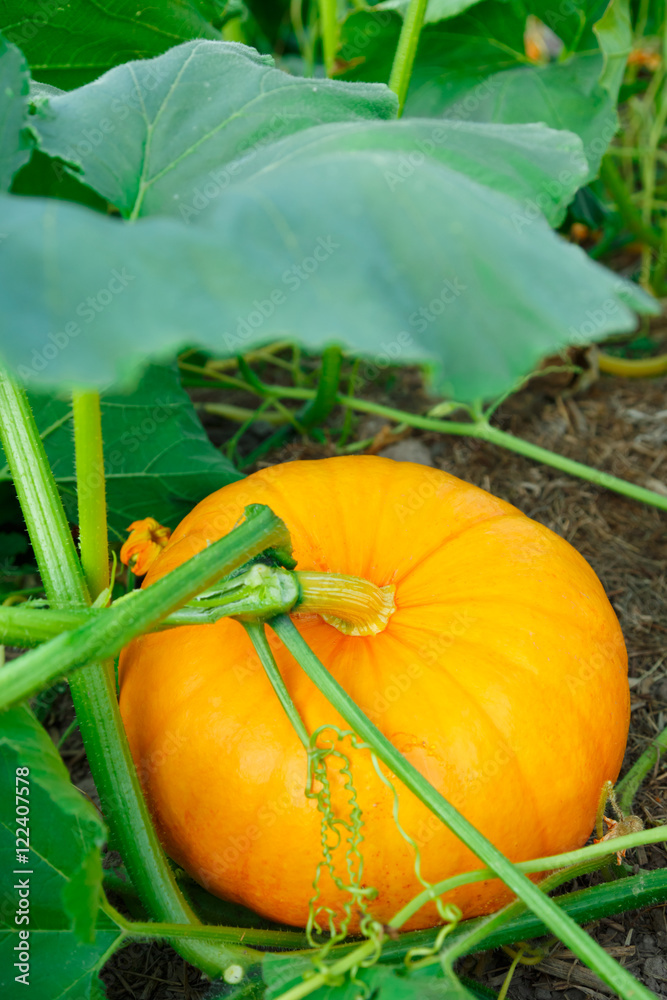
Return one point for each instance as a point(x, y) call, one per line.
point(148, 134)
point(159, 461)
point(436, 268)
point(15, 142)
point(614, 34)
point(69, 44)
point(63, 876)
point(45, 177)
point(564, 95)
point(521, 161)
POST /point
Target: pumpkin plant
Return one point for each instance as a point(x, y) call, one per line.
point(219, 950)
point(271, 203)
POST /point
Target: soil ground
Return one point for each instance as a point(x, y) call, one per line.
point(616, 425)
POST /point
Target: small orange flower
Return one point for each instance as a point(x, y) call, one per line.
point(146, 541)
point(644, 58)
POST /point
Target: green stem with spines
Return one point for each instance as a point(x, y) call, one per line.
point(586, 949)
point(586, 905)
point(210, 933)
point(357, 605)
point(116, 626)
point(584, 855)
point(406, 50)
point(91, 491)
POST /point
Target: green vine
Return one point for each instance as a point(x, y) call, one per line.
point(478, 427)
point(448, 913)
point(331, 828)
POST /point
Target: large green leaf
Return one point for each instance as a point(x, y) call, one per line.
point(15, 142)
point(147, 134)
point(70, 44)
point(62, 879)
point(163, 168)
point(532, 163)
point(441, 269)
point(394, 239)
point(158, 459)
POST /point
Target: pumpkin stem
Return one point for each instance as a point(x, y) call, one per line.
point(351, 604)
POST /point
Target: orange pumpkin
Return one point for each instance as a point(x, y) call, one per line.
point(501, 675)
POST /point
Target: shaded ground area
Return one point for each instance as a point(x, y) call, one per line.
point(619, 426)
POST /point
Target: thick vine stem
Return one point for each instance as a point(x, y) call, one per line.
point(351, 604)
point(106, 634)
point(318, 409)
point(95, 697)
point(91, 491)
point(591, 953)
